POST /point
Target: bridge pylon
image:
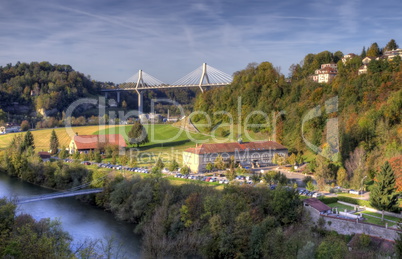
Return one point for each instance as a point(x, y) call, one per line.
point(140, 81)
point(204, 75)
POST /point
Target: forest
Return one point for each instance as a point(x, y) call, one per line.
point(366, 107)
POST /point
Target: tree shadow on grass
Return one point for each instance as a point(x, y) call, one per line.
point(160, 145)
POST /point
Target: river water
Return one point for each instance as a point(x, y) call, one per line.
point(83, 222)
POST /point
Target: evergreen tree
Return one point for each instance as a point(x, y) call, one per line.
point(159, 164)
point(383, 195)
point(391, 45)
point(54, 143)
point(28, 141)
point(363, 54)
point(138, 135)
point(98, 157)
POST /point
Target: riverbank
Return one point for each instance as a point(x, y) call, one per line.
point(87, 225)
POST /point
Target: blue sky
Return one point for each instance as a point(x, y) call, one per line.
point(112, 40)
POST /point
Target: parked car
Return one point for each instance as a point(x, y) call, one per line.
point(317, 194)
point(356, 192)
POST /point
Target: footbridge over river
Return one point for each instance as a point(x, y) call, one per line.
point(69, 193)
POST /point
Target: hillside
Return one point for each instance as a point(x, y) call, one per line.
point(25, 88)
point(304, 115)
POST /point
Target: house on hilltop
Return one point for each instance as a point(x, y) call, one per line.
point(326, 73)
point(86, 143)
point(251, 154)
point(348, 57)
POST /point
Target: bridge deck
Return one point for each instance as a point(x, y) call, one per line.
point(160, 87)
point(57, 195)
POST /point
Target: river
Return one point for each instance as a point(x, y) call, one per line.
point(82, 221)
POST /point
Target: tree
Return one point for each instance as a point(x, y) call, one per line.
point(98, 157)
point(185, 170)
point(219, 163)
point(383, 195)
point(341, 176)
point(63, 153)
point(29, 141)
point(278, 159)
point(54, 143)
point(391, 45)
point(209, 166)
point(173, 166)
point(124, 104)
point(374, 50)
point(138, 135)
point(332, 247)
point(363, 54)
point(159, 164)
point(310, 186)
point(24, 125)
point(292, 159)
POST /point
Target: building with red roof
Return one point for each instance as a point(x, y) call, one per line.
point(252, 154)
point(85, 143)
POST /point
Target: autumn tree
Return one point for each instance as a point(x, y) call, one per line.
point(396, 164)
point(24, 125)
point(383, 195)
point(219, 163)
point(374, 50)
point(292, 159)
point(138, 134)
point(341, 177)
point(209, 166)
point(54, 143)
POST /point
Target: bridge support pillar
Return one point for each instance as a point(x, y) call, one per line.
point(105, 95)
point(140, 102)
point(118, 97)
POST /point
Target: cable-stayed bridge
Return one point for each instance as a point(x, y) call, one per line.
point(203, 76)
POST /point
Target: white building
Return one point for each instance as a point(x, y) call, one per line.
point(326, 73)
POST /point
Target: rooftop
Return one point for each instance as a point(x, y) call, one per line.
point(93, 141)
point(235, 146)
point(317, 204)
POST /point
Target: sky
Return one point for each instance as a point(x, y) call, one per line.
point(112, 40)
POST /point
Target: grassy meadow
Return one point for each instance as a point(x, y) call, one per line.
point(42, 137)
point(165, 140)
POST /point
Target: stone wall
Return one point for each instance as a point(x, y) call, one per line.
point(349, 227)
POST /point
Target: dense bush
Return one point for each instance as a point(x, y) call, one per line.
point(354, 201)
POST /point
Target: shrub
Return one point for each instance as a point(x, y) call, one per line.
point(354, 201)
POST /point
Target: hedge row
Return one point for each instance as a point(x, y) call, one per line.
point(354, 201)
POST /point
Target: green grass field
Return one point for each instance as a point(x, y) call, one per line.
point(42, 137)
point(341, 207)
point(165, 141)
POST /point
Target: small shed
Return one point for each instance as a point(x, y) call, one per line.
point(317, 205)
point(45, 156)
